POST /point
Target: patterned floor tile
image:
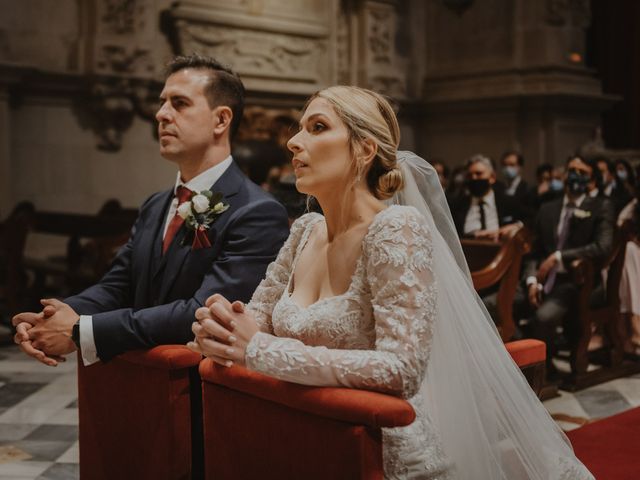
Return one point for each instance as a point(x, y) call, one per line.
point(19, 470)
point(61, 471)
point(72, 455)
point(63, 433)
point(10, 432)
point(601, 403)
point(13, 393)
point(42, 450)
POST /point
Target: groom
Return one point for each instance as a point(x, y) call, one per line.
point(167, 269)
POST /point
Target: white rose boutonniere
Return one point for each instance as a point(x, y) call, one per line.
point(581, 214)
point(199, 213)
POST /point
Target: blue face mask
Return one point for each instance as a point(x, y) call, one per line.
point(556, 185)
point(577, 182)
point(510, 172)
point(622, 175)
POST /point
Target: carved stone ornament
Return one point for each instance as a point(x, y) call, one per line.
point(383, 73)
point(255, 53)
point(124, 60)
point(111, 105)
point(121, 16)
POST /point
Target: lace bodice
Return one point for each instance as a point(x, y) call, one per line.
point(376, 335)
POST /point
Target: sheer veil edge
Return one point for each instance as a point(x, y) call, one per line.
point(491, 423)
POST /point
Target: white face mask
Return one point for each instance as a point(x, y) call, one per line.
point(510, 172)
point(622, 175)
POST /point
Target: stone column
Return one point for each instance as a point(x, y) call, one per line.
point(509, 74)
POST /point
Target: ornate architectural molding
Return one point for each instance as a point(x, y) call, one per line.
point(273, 52)
point(110, 106)
point(366, 46)
point(258, 54)
point(122, 42)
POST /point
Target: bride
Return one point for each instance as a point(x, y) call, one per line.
point(377, 295)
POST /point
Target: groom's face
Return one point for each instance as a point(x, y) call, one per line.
point(186, 121)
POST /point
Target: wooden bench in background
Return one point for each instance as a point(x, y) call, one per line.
point(91, 243)
point(603, 318)
point(498, 263)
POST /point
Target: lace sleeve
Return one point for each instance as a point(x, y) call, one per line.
point(398, 258)
point(277, 276)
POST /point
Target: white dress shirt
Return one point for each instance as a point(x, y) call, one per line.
point(472, 222)
point(511, 191)
point(196, 184)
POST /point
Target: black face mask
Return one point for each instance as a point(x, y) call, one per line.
point(577, 182)
point(478, 187)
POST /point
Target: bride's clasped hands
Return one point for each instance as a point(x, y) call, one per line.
point(223, 331)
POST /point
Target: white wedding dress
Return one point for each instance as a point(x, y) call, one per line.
point(411, 325)
point(376, 335)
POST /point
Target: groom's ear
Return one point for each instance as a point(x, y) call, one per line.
point(222, 117)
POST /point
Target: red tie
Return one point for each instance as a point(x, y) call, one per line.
point(182, 194)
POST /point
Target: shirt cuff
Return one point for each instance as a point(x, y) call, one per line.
point(532, 280)
point(560, 264)
point(87, 344)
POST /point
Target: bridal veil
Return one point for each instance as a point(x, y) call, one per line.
point(492, 425)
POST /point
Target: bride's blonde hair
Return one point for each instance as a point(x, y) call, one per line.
point(368, 115)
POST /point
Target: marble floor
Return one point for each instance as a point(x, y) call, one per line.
point(39, 416)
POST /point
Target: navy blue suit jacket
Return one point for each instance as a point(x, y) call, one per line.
point(148, 299)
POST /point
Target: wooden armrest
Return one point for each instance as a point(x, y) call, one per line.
point(165, 357)
point(581, 271)
point(508, 249)
point(345, 404)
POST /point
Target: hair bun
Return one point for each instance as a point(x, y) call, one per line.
point(389, 183)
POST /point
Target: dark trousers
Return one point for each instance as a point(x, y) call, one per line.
point(559, 307)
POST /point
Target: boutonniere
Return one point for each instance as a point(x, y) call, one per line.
point(581, 214)
point(198, 213)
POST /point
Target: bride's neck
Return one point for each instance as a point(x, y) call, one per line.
point(342, 212)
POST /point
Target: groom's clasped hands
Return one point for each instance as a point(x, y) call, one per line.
point(223, 330)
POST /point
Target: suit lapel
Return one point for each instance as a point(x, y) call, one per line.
point(228, 185)
point(159, 217)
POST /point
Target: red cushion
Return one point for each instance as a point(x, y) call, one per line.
point(259, 427)
point(527, 352)
point(135, 415)
point(346, 404)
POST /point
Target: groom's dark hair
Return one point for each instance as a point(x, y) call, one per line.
point(224, 88)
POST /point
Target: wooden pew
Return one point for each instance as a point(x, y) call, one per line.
point(498, 263)
point(92, 241)
point(604, 319)
point(141, 416)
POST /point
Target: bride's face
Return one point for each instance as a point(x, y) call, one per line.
point(321, 153)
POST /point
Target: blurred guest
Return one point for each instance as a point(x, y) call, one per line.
point(455, 188)
point(630, 281)
point(515, 186)
point(611, 188)
point(443, 173)
point(575, 226)
point(257, 159)
point(626, 177)
point(484, 211)
point(547, 187)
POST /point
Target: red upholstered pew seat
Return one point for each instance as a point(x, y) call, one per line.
point(135, 415)
point(259, 427)
point(530, 356)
